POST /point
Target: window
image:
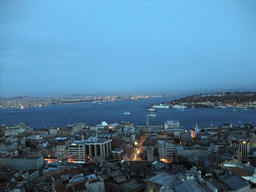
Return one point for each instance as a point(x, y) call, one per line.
point(87, 150)
point(98, 150)
point(93, 151)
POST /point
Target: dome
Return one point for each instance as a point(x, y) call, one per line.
point(104, 123)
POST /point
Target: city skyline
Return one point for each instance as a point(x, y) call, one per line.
point(57, 48)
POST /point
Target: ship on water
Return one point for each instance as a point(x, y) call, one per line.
point(151, 115)
point(240, 107)
point(179, 107)
point(160, 106)
point(96, 103)
point(220, 107)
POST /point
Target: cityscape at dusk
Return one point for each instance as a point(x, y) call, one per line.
point(131, 96)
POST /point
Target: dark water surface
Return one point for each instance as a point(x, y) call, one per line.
point(113, 112)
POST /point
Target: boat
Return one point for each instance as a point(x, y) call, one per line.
point(179, 107)
point(220, 107)
point(160, 106)
point(240, 107)
point(151, 110)
point(96, 103)
point(126, 113)
point(151, 115)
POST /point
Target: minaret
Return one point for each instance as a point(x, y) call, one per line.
point(147, 123)
point(196, 129)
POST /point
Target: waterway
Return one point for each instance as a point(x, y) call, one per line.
point(113, 112)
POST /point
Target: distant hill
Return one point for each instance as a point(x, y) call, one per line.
point(21, 97)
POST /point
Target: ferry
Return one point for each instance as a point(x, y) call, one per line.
point(151, 110)
point(160, 106)
point(96, 103)
point(220, 107)
point(240, 107)
point(151, 115)
point(179, 107)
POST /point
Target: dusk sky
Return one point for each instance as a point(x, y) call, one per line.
point(61, 47)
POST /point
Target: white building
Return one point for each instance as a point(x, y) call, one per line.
point(76, 152)
point(171, 124)
point(81, 151)
point(166, 150)
point(14, 131)
point(61, 148)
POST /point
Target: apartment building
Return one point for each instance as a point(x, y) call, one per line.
point(61, 148)
point(166, 150)
point(88, 150)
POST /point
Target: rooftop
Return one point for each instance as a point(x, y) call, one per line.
point(240, 171)
point(149, 142)
point(132, 184)
point(118, 151)
point(61, 138)
point(165, 179)
point(235, 182)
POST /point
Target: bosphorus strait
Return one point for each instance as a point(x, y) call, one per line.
point(114, 112)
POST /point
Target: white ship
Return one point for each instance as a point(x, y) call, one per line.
point(160, 106)
point(240, 107)
point(179, 107)
point(220, 107)
point(96, 103)
point(151, 115)
point(151, 110)
point(127, 113)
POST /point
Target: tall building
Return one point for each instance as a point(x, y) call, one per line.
point(76, 152)
point(243, 150)
point(61, 148)
point(98, 149)
point(166, 151)
point(150, 154)
point(89, 150)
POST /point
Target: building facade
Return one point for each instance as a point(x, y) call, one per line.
point(90, 150)
point(166, 151)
